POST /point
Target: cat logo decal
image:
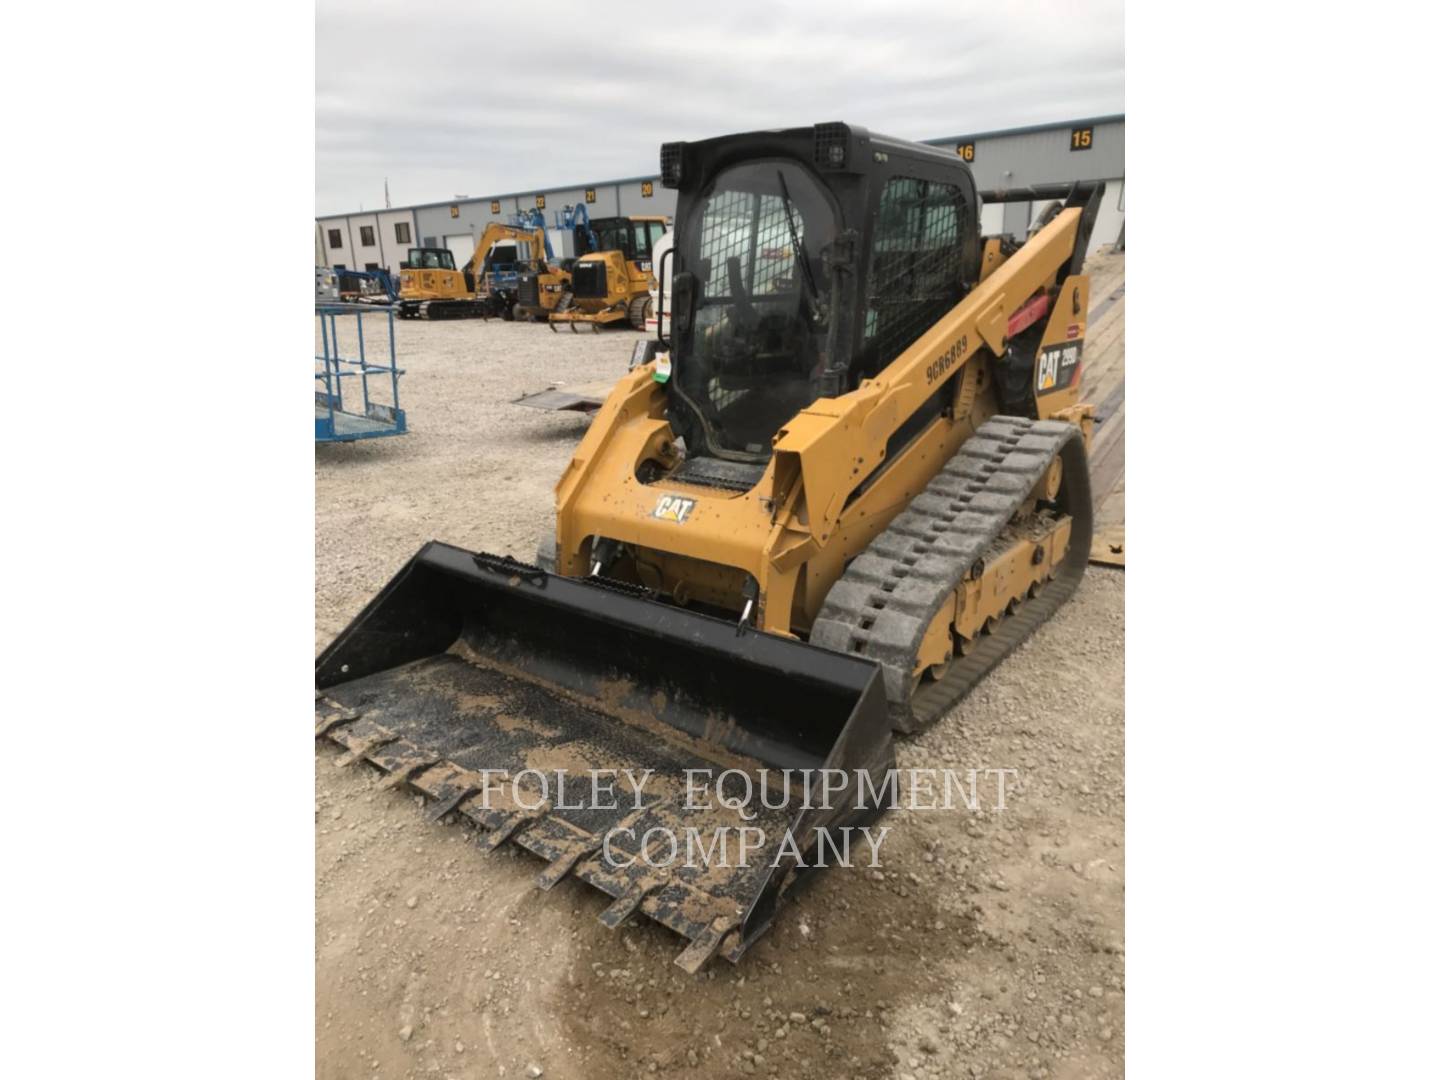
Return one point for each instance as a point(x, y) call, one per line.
point(673, 508)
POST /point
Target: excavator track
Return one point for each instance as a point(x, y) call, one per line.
point(434, 310)
point(889, 595)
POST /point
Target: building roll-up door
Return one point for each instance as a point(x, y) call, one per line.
point(462, 247)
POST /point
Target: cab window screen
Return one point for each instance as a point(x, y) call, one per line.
point(754, 354)
point(915, 272)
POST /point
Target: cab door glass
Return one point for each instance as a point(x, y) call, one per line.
point(642, 241)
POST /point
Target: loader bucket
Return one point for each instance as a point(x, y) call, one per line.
point(468, 662)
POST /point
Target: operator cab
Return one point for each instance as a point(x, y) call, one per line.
point(805, 261)
point(428, 259)
point(634, 239)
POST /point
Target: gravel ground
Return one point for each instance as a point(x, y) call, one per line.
point(989, 944)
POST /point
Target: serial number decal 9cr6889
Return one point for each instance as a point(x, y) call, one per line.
point(1056, 367)
point(673, 508)
point(940, 367)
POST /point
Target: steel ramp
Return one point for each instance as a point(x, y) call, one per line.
point(469, 662)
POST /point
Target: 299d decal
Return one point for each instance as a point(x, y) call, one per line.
point(1056, 368)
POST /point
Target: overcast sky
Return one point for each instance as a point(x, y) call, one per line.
point(482, 98)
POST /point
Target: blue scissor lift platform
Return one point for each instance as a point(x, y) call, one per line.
point(334, 422)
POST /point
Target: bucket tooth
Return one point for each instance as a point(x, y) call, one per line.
point(449, 802)
point(552, 875)
point(616, 914)
point(366, 748)
point(699, 952)
point(408, 770)
point(510, 824)
point(338, 714)
point(332, 721)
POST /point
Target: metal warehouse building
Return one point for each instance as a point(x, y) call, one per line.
point(1090, 149)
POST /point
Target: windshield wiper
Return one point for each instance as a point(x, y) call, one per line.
point(810, 286)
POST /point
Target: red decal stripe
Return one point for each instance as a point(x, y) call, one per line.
point(1028, 315)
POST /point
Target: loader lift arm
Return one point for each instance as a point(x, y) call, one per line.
point(833, 462)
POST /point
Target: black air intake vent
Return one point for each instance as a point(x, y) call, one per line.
point(718, 473)
point(527, 294)
point(587, 280)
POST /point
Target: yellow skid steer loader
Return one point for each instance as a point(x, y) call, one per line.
point(848, 483)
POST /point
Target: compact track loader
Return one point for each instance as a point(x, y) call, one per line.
point(612, 282)
point(851, 480)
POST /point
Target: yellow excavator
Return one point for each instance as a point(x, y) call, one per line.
point(848, 482)
point(611, 282)
point(432, 288)
point(485, 287)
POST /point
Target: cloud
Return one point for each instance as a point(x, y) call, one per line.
point(479, 99)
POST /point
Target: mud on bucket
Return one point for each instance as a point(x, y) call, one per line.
point(472, 662)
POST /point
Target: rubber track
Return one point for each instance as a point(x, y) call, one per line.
point(889, 595)
point(449, 309)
